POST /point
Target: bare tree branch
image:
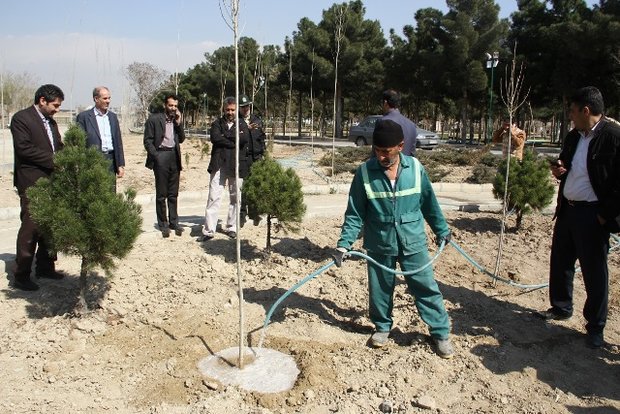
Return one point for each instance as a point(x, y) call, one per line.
point(146, 80)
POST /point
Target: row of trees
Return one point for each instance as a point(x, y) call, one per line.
point(438, 62)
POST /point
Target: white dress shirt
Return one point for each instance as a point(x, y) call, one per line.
point(578, 186)
point(105, 131)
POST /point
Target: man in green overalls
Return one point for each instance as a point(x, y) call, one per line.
point(390, 197)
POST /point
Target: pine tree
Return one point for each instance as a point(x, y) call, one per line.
point(276, 192)
point(529, 185)
point(78, 211)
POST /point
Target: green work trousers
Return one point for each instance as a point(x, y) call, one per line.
point(422, 285)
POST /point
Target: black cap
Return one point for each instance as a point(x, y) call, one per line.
point(244, 100)
point(387, 134)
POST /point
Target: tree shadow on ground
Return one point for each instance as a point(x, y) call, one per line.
point(593, 410)
point(222, 245)
point(300, 249)
point(327, 310)
point(476, 225)
point(61, 297)
point(9, 264)
point(557, 353)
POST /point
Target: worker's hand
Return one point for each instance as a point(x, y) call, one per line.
point(445, 239)
point(340, 254)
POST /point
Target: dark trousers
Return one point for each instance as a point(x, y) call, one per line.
point(28, 238)
point(166, 188)
point(578, 235)
point(110, 156)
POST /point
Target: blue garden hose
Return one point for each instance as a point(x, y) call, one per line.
point(491, 275)
point(410, 272)
point(331, 263)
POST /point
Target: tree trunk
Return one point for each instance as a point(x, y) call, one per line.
point(299, 115)
point(339, 108)
point(565, 121)
point(268, 231)
point(519, 219)
point(83, 286)
point(464, 117)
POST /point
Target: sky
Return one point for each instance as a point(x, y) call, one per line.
point(79, 44)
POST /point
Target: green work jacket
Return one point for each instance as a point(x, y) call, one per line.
point(393, 219)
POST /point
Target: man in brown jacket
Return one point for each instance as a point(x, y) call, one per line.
point(35, 140)
point(518, 139)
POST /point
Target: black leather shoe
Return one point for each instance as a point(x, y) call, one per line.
point(178, 230)
point(595, 340)
point(50, 274)
point(231, 234)
point(165, 233)
point(27, 285)
point(553, 315)
point(205, 238)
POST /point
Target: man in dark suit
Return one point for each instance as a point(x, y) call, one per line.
point(588, 210)
point(163, 132)
point(103, 130)
point(35, 140)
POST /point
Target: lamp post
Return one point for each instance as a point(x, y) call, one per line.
point(492, 61)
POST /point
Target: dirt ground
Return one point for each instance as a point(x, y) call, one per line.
point(174, 301)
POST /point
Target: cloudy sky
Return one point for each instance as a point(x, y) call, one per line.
point(78, 44)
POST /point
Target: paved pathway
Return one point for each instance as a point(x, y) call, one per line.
point(321, 201)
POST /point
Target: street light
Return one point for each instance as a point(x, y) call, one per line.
point(492, 61)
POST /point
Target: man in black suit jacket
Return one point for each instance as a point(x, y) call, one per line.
point(103, 130)
point(35, 140)
point(163, 133)
point(588, 210)
point(222, 168)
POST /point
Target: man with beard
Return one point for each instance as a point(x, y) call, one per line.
point(35, 141)
point(163, 134)
point(390, 195)
point(222, 169)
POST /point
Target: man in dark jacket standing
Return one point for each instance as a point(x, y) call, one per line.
point(588, 209)
point(222, 168)
point(255, 148)
point(256, 143)
point(103, 130)
point(35, 140)
point(163, 134)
